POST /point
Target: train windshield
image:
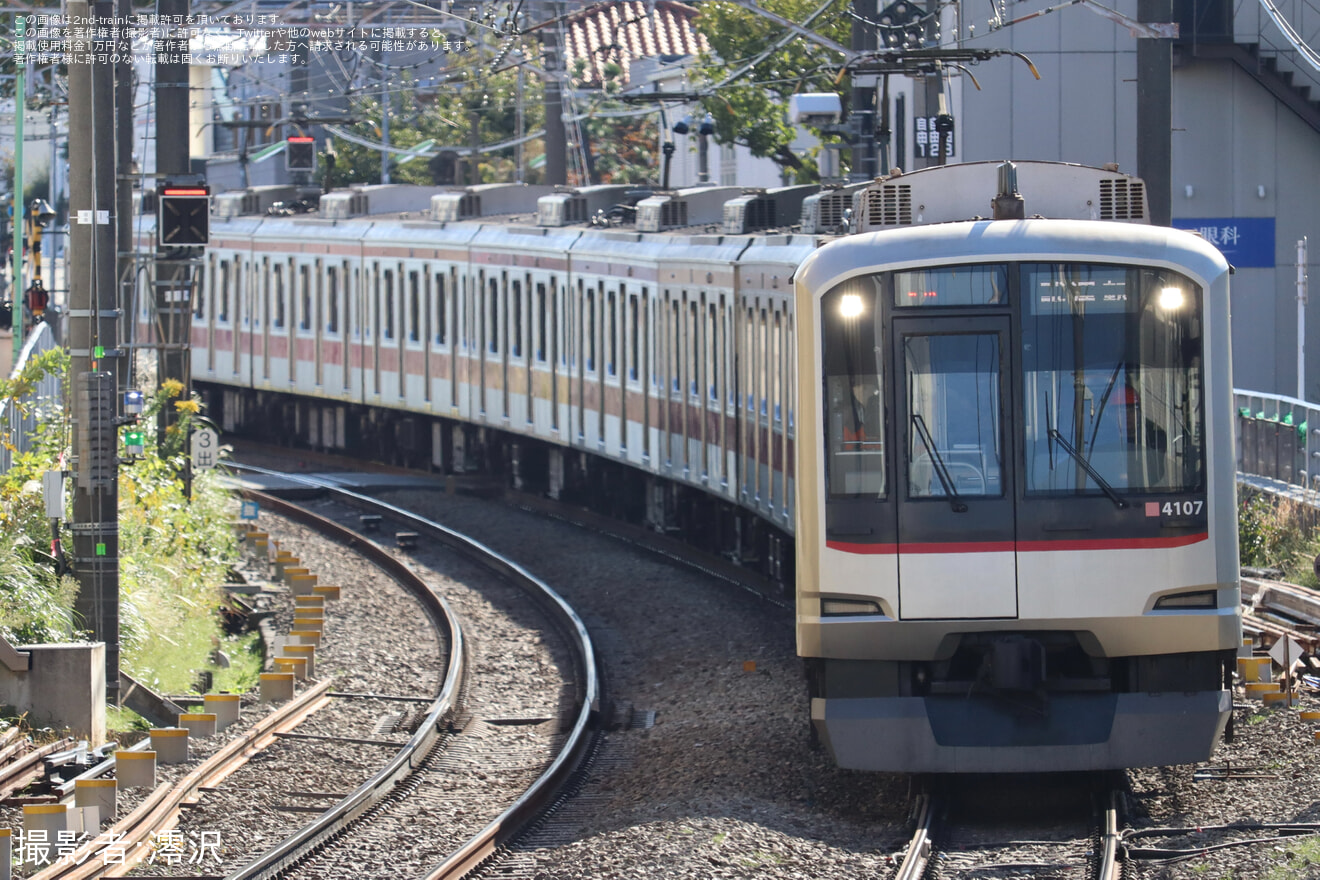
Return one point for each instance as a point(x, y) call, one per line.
point(853, 370)
point(1111, 360)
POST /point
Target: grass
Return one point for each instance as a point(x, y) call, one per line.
point(1279, 533)
point(1303, 861)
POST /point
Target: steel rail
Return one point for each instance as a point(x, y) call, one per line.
point(1107, 864)
point(544, 791)
point(298, 845)
point(916, 859)
point(158, 810)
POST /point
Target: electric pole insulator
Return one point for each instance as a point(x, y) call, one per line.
point(300, 153)
point(184, 216)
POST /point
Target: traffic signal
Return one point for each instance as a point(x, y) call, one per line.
point(183, 215)
point(300, 153)
point(134, 443)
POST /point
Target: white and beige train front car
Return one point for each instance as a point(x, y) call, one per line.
point(1016, 528)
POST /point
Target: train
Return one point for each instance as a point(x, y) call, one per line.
point(989, 452)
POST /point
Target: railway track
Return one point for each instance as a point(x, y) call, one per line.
point(450, 743)
point(535, 754)
point(975, 833)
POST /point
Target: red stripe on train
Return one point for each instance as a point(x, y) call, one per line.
point(1020, 546)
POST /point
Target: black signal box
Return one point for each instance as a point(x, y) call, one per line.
point(300, 153)
point(183, 217)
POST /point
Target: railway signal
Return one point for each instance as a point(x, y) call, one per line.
point(300, 153)
point(184, 215)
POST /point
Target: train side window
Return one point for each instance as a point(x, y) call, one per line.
point(696, 346)
point(224, 292)
point(853, 371)
point(199, 311)
point(516, 319)
point(675, 348)
point(634, 336)
point(387, 298)
point(278, 319)
point(441, 310)
point(591, 330)
point(612, 339)
point(305, 302)
point(493, 306)
point(714, 347)
point(541, 321)
point(414, 308)
point(332, 300)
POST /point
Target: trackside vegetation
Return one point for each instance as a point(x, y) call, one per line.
point(176, 548)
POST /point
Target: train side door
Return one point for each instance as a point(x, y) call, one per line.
point(955, 487)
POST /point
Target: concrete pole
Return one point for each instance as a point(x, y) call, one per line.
point(1155, 112)
point(123, 190)
point(93, 347)
point(865, 164)
point(556, 141)
point(20, 215)
point(173, 292)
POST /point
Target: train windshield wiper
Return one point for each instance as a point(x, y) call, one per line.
point(941, 470)
point(1119, 501)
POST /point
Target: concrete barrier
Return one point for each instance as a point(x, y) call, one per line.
point(225, 707)
point(304, 652)
point(100, 793)
point(276, 687)
point(170, 744)
point(135, 769)
point(61, 686)
point(52, 820)
point(198, 724)
point(329, 592)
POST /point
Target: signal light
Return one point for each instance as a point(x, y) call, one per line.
point(300, 153)
point(134, 444)
point(184, 215)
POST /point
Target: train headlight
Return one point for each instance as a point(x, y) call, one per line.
point(838, 607)
point(850, 305)
point(1202, 599)
point(1172, 298)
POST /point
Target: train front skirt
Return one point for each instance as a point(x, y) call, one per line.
point(983, 734)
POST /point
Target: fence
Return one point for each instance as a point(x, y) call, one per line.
point(18, 423)
point(1278, 438)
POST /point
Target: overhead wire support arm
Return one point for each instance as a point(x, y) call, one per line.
point(910, 61)
point(1140, 29)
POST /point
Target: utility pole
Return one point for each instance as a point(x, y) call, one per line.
point(18, 294)
point(93, 346)
point(556, 142)
point(173, 281)
point(865, 165)
point(125, 246)
point(1155, 112)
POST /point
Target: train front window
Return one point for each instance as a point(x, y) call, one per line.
point(852, 355)
point(1112, 390)
point(951, 286)
point(952, 387)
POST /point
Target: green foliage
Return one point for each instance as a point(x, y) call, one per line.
point(752, 109)
point(1278, 533)
point(1303, 861)
point(35, 603)
point(471, 93)
point(175, 552)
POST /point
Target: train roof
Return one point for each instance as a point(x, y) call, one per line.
point(981, 241)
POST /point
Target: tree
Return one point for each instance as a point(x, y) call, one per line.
point(752, 108)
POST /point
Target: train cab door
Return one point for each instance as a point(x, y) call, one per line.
point(955, 487)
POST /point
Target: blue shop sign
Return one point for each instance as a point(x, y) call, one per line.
point(1246, 242)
